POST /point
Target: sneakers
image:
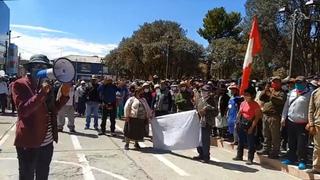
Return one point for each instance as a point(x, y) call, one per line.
point(197, 158)
point(313, 171)
point(302, 166)
point(205, 160)
point(101, 133)
point(249, 162)
point(73, 131)
point(237, 158)
point(286, 162)
point(113, 134)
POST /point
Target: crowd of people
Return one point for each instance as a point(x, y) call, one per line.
point(269, 116)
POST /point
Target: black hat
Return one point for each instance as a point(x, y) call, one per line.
point(251, 91)
point(39, 59)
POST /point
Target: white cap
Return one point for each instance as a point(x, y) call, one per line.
point(145, 84)
point(82, 82)
point(157, 86)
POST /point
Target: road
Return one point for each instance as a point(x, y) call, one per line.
point(87, 156)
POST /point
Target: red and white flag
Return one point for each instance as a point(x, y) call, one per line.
point(254, 47)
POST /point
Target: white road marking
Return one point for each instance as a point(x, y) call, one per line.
point(163, 160)
point(13, 128)
point(171, 165)
point(86, 168)
point(3, 140)
point(80, 165)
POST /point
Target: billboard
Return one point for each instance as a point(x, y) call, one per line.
point(4, 28)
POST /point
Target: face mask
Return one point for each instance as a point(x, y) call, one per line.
point(276, 86)
point(158, 91)
point(146, 90)
point(299, 87)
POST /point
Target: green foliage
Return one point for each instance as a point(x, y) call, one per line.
point(144, 53)
point(220, 24)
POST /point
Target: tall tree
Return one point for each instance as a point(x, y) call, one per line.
point(145, 52)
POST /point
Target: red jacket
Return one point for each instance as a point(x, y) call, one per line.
point(33, 115)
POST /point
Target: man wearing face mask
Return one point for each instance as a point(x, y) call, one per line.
point(183, 99)
point(273, 99)
point(147, 93)
point(207, 110)
point(163, 102)
point(296, 110)
point(36, 127)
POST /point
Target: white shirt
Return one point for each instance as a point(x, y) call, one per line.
point(3, 88)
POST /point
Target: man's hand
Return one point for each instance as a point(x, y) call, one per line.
point(283, 122)
point(65, 89)
point(312, 130)
point(202, 112)
point(46, 88)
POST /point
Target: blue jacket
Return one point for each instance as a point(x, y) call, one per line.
point(108, 93)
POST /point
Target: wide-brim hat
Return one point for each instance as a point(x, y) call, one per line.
point(39, 59)
point(206, 88)
point(233, 86)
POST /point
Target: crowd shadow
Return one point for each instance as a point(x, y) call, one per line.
point(224, 165)
point(7, 114)
point(88, 135)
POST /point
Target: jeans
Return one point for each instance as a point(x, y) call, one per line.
point(297, 140)
point(204, 149)
point(92, 108)
point(112, 114)
point(34, 162)
point(251, 142)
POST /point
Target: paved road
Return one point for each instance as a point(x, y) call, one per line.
point(87, 156)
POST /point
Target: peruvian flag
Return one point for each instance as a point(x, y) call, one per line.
point(254, 47)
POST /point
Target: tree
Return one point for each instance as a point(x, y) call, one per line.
point(144, 53)
point(219, 24)
point(222, 31)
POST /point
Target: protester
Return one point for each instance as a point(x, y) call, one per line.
point(107, 93)
point(122, 97)
point(92, 103)
point(67, 111)
point(183, 99)
point(273, 99)
point(3, 94)
point(137, 115)
point(221, 120)
point(207, 110)
point(233, 108)
point(36, 127)
point(247, 119)
point(81, 98)
point(163, 102)
point(296, 110)
point(314, 129)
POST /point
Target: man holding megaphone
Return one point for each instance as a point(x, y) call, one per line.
point(36, 127)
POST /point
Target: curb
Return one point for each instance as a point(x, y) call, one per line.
point(265, 161)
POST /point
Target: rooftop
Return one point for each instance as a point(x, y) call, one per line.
point(85, 59)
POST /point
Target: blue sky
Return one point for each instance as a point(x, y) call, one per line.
point(100, 23)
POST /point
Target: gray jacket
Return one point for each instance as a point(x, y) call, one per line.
point(296, 107)
point(211, 111)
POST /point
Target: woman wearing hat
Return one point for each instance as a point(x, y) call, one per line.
point(137, 114)
point(247, 119)
point(183, 99)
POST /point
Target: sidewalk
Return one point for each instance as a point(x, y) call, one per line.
point(265, 161)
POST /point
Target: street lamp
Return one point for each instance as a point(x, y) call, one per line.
point(297, 17)
point(169, 39)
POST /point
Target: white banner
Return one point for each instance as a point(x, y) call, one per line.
point(178, 131)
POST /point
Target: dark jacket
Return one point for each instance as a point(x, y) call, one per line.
point(33, 114)
point(273, 104)
point(183, 101)
point(92, 93)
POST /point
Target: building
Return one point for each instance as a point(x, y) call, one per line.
point(86, 66)
point(4, 29)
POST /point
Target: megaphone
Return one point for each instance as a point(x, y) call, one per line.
point(62, 70)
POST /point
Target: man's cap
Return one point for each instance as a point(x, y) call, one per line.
point(206, 88)
point(82, 82)
point(155, 77)
point(275, 78)
point(182, 83)
point(233, 86)
point(300, 78)
point(94, 77)
point(39, 59)
point(145, 84)
point(314, 83)
point(157, 86)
